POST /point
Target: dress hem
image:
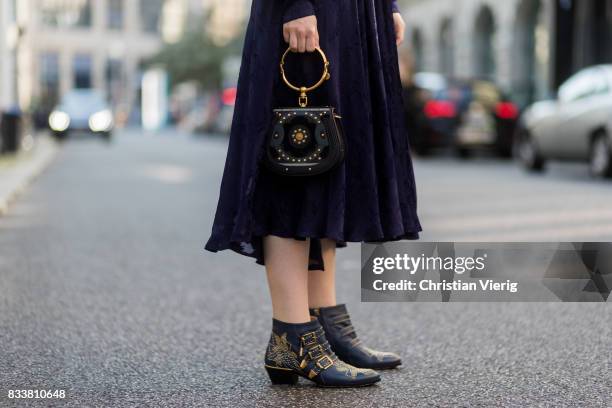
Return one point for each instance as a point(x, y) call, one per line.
point(253, 247)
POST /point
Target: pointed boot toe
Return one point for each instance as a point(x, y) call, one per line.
point(380, 360)
point(343, 339)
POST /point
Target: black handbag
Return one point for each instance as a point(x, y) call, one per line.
point(304, 141)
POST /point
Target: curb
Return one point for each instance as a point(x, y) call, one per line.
point(16, 178)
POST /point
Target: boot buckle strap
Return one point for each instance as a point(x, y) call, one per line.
point(316, 352)
point(309, 339)
point(325, 362)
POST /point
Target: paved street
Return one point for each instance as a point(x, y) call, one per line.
point(106, 292)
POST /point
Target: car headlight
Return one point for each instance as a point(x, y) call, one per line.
point(101, 121)
point(59, 121)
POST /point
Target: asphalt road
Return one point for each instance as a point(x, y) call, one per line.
point(105, 291)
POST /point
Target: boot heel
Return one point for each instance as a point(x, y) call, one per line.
point(280, 376)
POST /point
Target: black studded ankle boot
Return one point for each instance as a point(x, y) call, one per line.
point(302, 350)
point(345, 343)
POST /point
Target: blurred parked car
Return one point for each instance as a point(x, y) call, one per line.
point(574, 127)
point(82, 110)
point(221, 121)
point(464, 114)
point(431, 123)
point(487, 117)
point(212, 114)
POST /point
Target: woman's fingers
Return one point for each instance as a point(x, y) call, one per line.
point(301, 41)
point(293, 41)
point(399, 36)
point(302, 34)
point(400, 28)
point(311, 43)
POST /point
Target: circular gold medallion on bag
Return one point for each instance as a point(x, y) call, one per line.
point(299, 136)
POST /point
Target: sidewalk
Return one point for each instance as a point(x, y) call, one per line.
point(18, 171)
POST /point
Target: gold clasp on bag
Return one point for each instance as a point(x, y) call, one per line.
point(303, 98)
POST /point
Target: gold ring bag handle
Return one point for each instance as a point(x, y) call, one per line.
point(303, 99)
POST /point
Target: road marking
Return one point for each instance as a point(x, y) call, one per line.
point(517, 220)
point(168, 173)
point(562, 233)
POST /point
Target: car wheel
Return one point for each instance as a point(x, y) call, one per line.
point(504, 153)
point(528, 153)
point(422, 150)
point(60, 136)
point(463, 153)
point(107, 137)
point(601, 156)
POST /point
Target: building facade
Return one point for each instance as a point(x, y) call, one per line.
point(9, 36)
point(506, 41)
point(529, 47)
point(583, 36)
point(223, 20)
point(226, 18)
point(67, 44)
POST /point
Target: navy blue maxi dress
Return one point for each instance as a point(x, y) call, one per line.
point(371, 197)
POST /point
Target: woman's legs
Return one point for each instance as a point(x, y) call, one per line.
point(293, 329)
point(287, 270)
point(292, 287)
point(322, 284)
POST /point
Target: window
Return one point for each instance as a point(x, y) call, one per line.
point(150, 14)
point(447, 52)
point(115, 14)
point(65, 14)
point(49, 79)
point(82, 65)
point(115, 81)
point(418, 50)
point(12, 11)
point(484, 55)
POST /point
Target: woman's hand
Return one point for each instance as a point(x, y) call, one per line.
point(302, 34)
point(400, 28)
